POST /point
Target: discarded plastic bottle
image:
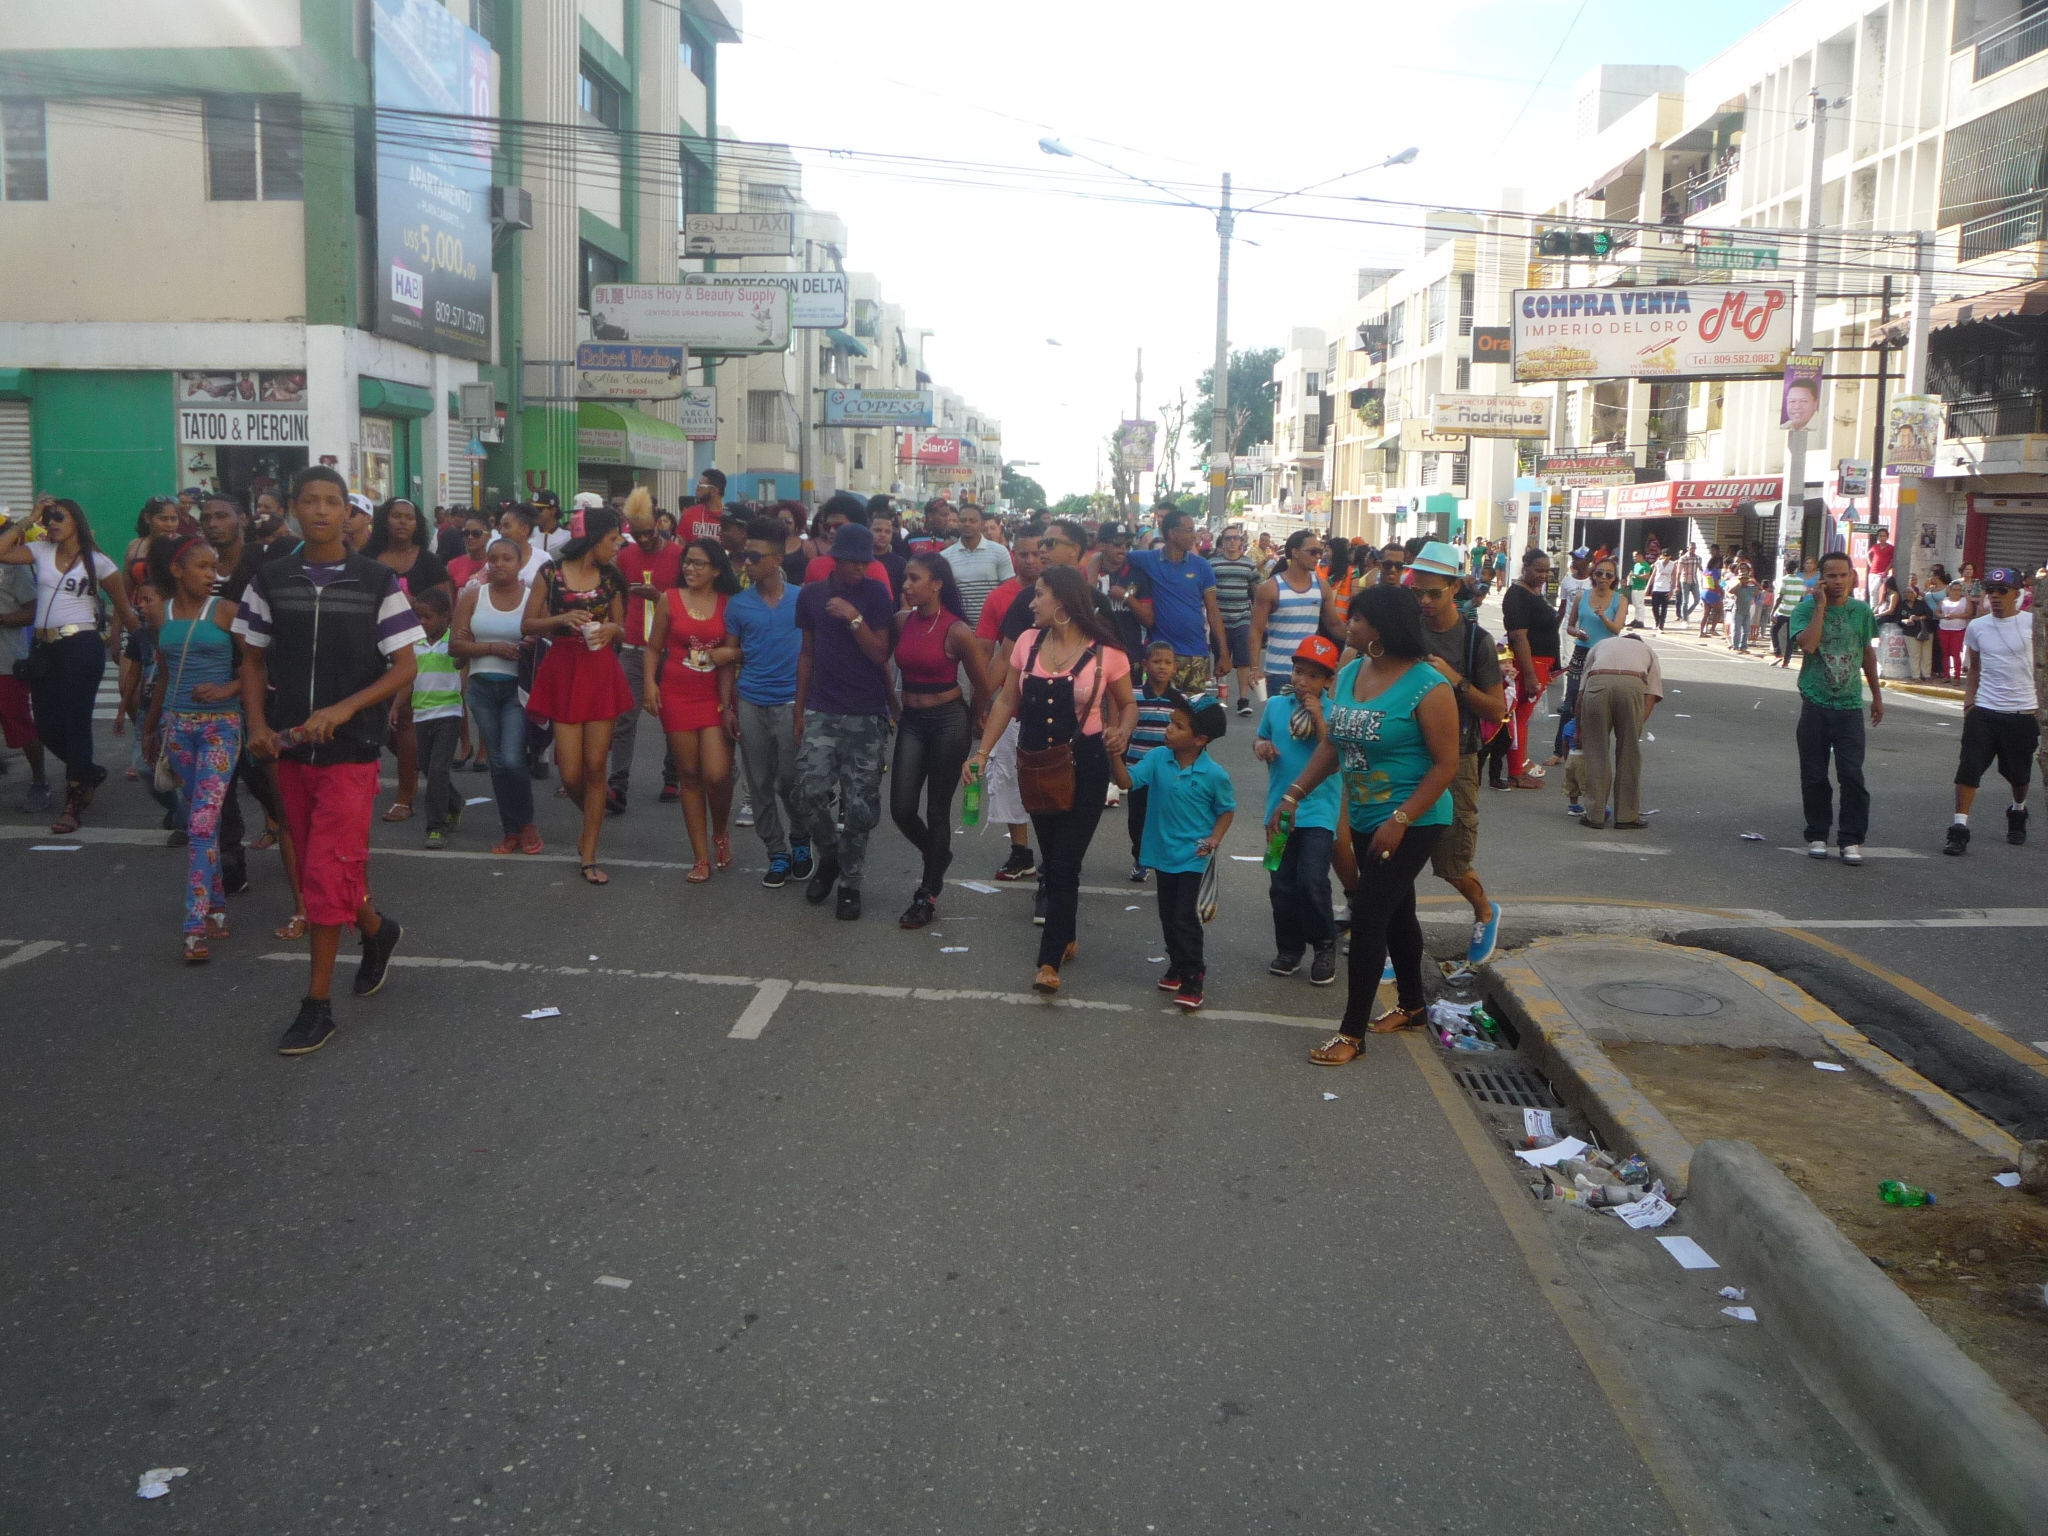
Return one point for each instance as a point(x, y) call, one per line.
point(970, 803)
point(1896, 1192)
point(1276, 845)
point(1486, 1022)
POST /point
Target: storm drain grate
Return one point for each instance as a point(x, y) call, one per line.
point(1505, 1085)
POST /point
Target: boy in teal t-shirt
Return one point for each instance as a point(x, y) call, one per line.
point(1290, 730)
point(1837, 633)
point(1189, 803)
point(436, 706)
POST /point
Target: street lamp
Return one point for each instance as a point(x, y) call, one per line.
point(1226, 222)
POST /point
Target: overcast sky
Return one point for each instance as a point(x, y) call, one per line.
point(1003, 250)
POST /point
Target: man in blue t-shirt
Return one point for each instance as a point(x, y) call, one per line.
point(1176, 597)
point(763, 619)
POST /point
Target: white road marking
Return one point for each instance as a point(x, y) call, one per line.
point(2041, 1046)
point(30, 951)
point(1643, 850)
point(1868, 852)
point(757, 1013)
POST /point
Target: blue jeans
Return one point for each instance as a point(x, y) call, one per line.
point(1300, 892)
point(1836, 732)
point(494, 701)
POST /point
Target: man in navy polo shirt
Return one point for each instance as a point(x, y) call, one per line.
point(1176, 597)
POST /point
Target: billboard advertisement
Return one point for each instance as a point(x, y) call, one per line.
point(1718, 331)
point(1570, 471)
point(1912, 433)
point(224, 409)
point(625, 370)
point(1417, 436)
point(817, 300)
point(433, 276)
point(1800, 401)
point(878, 407)
point(1134, 446)
point(742, 317)
point(1491, 415)
point(739, 234)
point(928, 448)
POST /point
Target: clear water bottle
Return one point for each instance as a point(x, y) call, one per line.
point(1897, 1192)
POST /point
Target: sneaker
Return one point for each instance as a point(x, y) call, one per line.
point(438, 838)
point(1816, 849)
point(1485, 939)
point(1114, 798)
point(1575, 809)
point(2015, 825)
point(313, 1028)
point(1323, 969)
point(1283, 964)
point(778, 871)
point(1244, 706)
point(922, 910)
point(1139, 873)
point(537, 770)
point(1189, 995)
point(824, 875)
point(849, 905)
point(1038, 909)
point(1170, 982)
point(1958, 839)
point(377, 950)
point(1019, 866)
point(801, 864)
point(1852, 853)
point(1386, 971)
point(615, 802)
point(669, 795)
point(744, 816)
point(179, 838)
point(37, 799)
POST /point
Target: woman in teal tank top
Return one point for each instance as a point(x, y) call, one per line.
point(1391, 727)
point(1603, 607)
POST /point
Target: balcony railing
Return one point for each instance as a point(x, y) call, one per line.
point(2001, 231)
point(1998, 415)
point(2017, 40)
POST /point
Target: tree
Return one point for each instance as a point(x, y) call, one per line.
point(1251, 408)
point(1073, 506)
point(1021, 490)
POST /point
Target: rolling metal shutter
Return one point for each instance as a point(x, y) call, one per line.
point(17, 477)
point(458, 464)
point(2018, 541)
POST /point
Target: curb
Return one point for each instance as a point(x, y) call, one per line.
point(1580, 1070)
point(1962, 1450)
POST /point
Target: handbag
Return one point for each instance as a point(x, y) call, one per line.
point(165, 777)
point(1045, 775)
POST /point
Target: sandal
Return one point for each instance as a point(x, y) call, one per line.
point(700, 872)
point(1046, 981)
point(216, 925)
point(266, 842)
point(196, 952)
point(595, 876)
point(1398, 1019)
point(529, 839)
point(68, 822)
point(509, 843)
point(293, 927)
point(1073, 948)
point(722, 846)
point(1336, 1051)
point(401, 810)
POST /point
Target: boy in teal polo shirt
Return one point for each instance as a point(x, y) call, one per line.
point(1289, 732)
point(1189, 802)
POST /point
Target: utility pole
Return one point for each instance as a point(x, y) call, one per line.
point(806, 449)
point(1219, 393)
point(1792, 510)
point(1138, 414)
point(1918, 325)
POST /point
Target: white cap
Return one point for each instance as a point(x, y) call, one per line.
point(587, 501)
point(362, 503)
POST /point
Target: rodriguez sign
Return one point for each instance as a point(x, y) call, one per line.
point(1645, 333)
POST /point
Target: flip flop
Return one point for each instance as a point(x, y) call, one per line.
point(595, 876)
point(400, 811)
point(263, 843)
point(293, 927)
point(722, 846)
point(700, 873)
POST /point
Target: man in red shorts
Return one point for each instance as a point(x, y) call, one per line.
point(333, 631)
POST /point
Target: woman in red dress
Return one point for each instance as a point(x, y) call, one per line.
point(693, 698)
point(580, 603)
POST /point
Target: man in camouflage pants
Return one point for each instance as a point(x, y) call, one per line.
point(842, 713)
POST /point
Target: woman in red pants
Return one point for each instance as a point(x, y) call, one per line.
point(1531, 622)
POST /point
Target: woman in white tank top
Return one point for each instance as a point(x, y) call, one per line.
point(486, 635)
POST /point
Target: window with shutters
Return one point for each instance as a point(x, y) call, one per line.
point(1427, 476)
point(1465, 304)
point(254, 149)
point(769, 419)
point(1461, 469)
point(24, 150)
point(1439, 298)
point(1397, 327)
point(1464, 373)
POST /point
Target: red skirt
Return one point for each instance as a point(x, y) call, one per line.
point(576, 685)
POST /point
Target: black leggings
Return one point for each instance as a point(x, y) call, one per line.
point(64, 699)
point(1660, 607)
point(1383, 922)
point(1781, 637)
point(931, 747)
point(1063, 838)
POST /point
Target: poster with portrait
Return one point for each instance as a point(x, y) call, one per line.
point(1912, 433)
point(1800, 401)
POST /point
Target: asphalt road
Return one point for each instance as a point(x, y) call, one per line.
point(906, 1249)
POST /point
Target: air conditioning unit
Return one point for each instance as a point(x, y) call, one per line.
point(478, 403)
point(511, 208)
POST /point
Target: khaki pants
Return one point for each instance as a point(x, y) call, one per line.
point(1610, 727)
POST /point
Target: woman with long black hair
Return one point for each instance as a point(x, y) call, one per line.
point(1069, 682)
point(67, 656)
point(1393, 732)
point(932, 643)
point(687, 685)
point(396, 541)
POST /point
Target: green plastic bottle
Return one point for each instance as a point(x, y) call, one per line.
point(1276, 845)
point(970, 803)
point(1896, 1192)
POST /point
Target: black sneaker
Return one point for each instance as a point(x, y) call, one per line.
point(1283, 964)
point(1170, 982)
point(1019, 866)
point(669, 795)
point(1958, 839)
point(849, 905)
point(615, 802)
point(234, 875)
point(2015, 825)
point(801, 865)
point(1323, 969)
point(313, 1028)
point(778, 871)
point(1189, 997)
point(1038, 908)
point(377, 950)
point(1139, 873)
point(1244, 706)
point(922, 910)
point(823, 877)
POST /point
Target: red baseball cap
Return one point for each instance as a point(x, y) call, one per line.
point(1322, 652)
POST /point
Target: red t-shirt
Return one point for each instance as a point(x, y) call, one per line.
point(821, 566)
point(995, 606)
point(1881, 558)
point(698, 522)
point(663, 571)
point(461, 568)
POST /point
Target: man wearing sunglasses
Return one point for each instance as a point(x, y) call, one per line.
point(2001, 723)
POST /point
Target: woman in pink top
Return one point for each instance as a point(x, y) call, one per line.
point(1069, 680)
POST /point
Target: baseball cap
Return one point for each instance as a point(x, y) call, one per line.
point(587, 501)
point(1437, 558)
point(2002, 576)
point(546, 499)
point(1316, 648)
point(362, 504)
point(1112, 533)
point(1582, 553)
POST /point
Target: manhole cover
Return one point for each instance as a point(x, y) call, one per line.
point(1657, 999)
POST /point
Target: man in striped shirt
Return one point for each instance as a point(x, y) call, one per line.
point(1288, 607)
point(1236, 579)
point(979, 565)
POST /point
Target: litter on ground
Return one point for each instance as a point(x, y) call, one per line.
point(156, 1482)
point(615, 1282)
point(1740, 1314)
point(1829, 1066)
point(543, 1013)
point(1690, 1255)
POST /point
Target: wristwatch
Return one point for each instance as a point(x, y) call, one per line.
point(855, 622)
point(1403, 819)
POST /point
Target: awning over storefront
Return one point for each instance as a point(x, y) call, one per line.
point(2025, 299)
point(846, 343)
point(620, 434)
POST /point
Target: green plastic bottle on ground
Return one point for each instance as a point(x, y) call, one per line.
point(1896, 1192)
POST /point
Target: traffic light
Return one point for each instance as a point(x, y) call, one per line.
point(1574, 242)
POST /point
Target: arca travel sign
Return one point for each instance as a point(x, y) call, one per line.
point(1719, 331)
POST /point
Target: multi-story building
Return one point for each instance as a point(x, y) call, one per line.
point(245, 235)
point(1299, 388)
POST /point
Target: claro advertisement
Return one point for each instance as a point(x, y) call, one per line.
point(433, 95)
point(1647, 333)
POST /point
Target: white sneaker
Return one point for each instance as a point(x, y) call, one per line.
point(1114, 798)
point(1852, 853)
point(1816, 850)
point(744, 816)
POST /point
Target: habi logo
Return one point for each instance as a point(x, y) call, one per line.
point(408, 288)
